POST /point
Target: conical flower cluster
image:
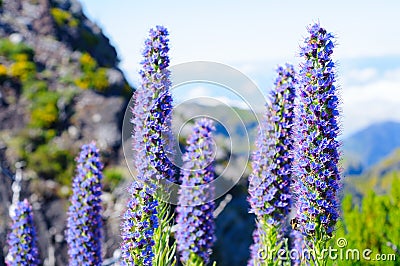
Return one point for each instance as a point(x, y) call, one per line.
point(195, 221)
point(22, 238)
point(151, 120)
point(317, 147)
point(270, 180)
point(84, 215)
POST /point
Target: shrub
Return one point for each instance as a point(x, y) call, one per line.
point(100, 80)
point(112, 177)
point(52, 163)
point(33, 87)
point(93, 76)
point(44, 110)
point(23, 70)
point(90, 39)
point(88, 63)
point(63, 18)
point(3, 72)
point(12, 50)
point(44, 117)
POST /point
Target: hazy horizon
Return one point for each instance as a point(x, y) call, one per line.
point(254, 38)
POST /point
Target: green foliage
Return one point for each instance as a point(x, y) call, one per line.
point(88, 63)
point(93, 76)
point(50, 162)
point(373, 225)
point(165, 245)
point(31, 88)
point(63, 18)
point(269, 237)
point(112, 177)
point(23, 70)
point(3, 72)
point(44, 110)
point(195, 260)
point(127, 91)
point(14, 51)
point(18, 147)
point(33, 144)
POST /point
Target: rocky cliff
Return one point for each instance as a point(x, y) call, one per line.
point(60, 87)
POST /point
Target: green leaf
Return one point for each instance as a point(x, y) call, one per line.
point(165, 245)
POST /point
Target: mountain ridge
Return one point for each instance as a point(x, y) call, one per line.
point(370, 145)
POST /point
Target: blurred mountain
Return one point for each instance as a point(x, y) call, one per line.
point(361, 151)
point(60, 87)
point(369, 146)
point(379, 177)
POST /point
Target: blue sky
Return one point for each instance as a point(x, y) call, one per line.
point(255, 36)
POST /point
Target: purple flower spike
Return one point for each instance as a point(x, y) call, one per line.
point(22, 238)
point(195, 220)
point(151, 144)
point(155, 80)
point(317, 146)
point(84, 215)
point(270, 180)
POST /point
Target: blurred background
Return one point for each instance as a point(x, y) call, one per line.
point(68, 69)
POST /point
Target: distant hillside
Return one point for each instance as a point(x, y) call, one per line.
point(361, 151)
point(371, 145)
point(379, 177)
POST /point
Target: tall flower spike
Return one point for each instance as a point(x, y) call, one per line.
point(317, 146)
point(151, 123)
point(22, 238)
point(84, 222)
point(195, 221)
point(155, 80)
point(270, 180)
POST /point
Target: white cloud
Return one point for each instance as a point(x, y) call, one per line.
point(185, 93)
point(361, 75)
point(232, 103)
point(197, 92)
point(372, 102)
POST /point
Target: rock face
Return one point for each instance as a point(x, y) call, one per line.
point(60, 87)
